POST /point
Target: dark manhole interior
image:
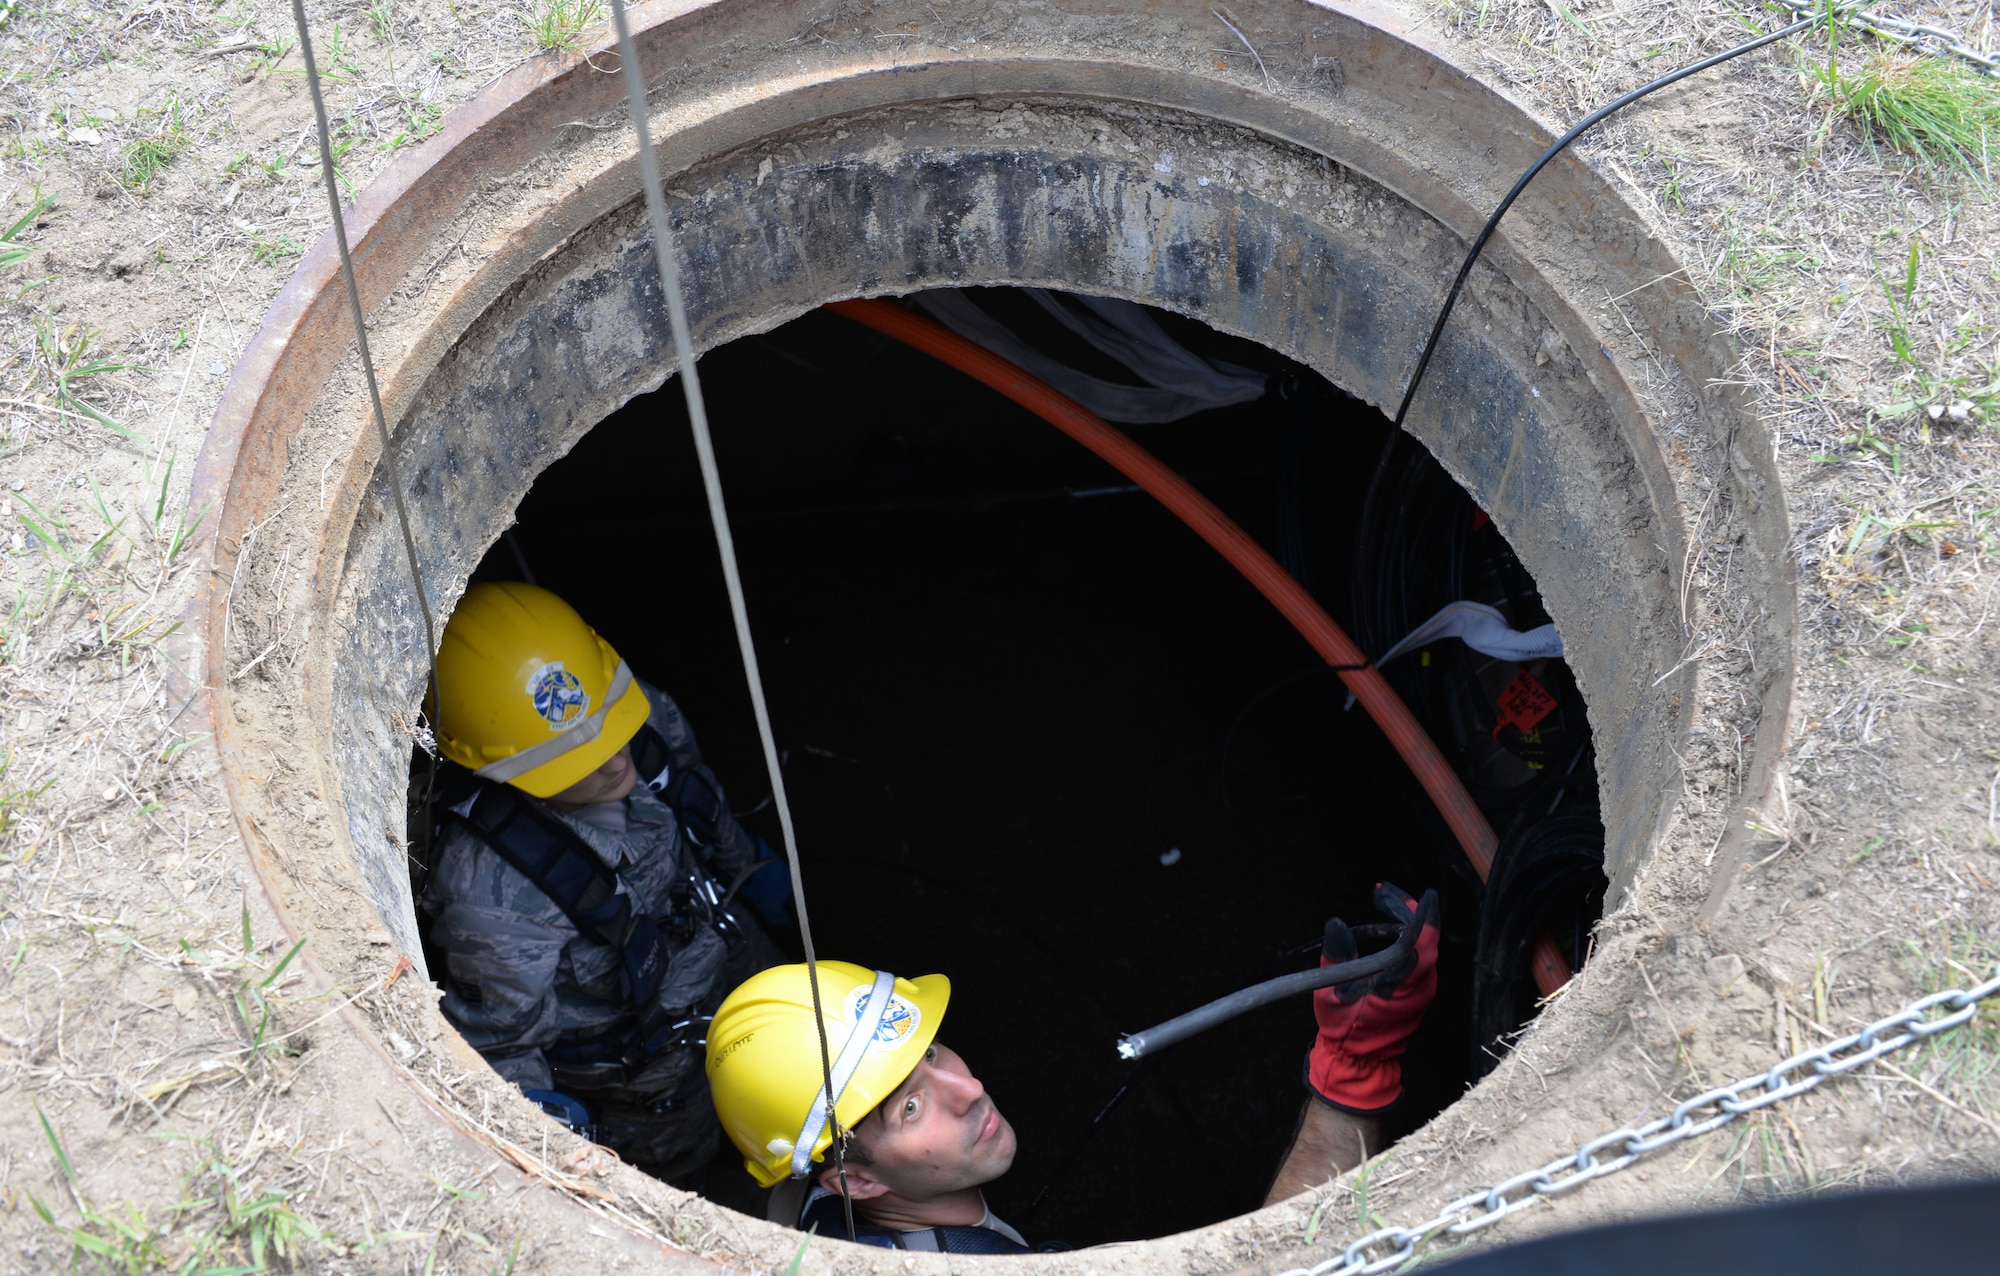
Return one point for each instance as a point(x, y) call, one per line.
point(1041, 738)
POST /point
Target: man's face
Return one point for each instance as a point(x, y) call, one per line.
point(607, 783)
point(938, 1133)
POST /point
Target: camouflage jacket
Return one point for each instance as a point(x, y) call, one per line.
point(518, 972)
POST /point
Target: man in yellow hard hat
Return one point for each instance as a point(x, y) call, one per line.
point(920, 1135)
point(584, 879)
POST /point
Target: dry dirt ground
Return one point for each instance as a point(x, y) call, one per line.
point(167, 1076)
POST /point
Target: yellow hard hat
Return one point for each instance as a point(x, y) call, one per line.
point(528, 694)
point(764, 1065)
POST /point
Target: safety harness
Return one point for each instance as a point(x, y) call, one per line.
point(560, 864)
point(823, 1214)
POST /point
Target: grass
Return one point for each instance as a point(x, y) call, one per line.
point(146, 158)
point(169, 543)
point(115, 1242)
point(421, 118)
point(271, 249)
point(792, 1270)
point(55, 533)
point(221, 1226)
point(13, 799)
point(253, 997)
point(336, 56)
point(1365, 1218)
point(82, 562)
point(557, 26)
point(1926, 385)
point(254, 1222)
point(63, 356)
point(1965, 1062)
point(1935, 110)
point(12, 251)
point(254, 991)
point(272, 52)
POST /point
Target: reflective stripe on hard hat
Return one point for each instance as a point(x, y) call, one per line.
point(865, 1026)
point(765, 1063)
point(575, 736)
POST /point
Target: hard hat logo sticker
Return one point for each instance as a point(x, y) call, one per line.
point(558, 695)
point(899, 1022)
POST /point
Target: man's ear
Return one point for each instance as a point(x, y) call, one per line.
point(861, 1184)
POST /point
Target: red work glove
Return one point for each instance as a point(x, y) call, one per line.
point(1365, 1024)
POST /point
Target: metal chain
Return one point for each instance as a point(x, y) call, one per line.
point(1903, 31)
point(1391, 1247)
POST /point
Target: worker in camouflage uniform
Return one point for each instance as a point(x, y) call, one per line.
point(584, 886)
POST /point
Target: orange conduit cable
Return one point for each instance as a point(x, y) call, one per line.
point(1468, 823)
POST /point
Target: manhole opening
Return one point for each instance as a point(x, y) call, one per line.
point(1041, 738)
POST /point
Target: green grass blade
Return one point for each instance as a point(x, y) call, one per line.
point(268, 979)
point(800, 1257)
point(35, 210)
point(1563, 10)
point(160, 506)
point(42, 535)
point(71, 401)
point(62, 1154)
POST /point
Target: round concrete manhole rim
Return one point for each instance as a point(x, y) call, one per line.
point(236, 476)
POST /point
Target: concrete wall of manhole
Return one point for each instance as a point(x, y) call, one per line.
point(1319, 212)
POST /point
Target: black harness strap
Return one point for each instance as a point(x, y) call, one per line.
point(552, 856)
point(562, 867)
point(826, 1214)
point(694, 800)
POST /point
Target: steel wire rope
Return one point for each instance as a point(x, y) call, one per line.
point(368, 375)
point(711, 480)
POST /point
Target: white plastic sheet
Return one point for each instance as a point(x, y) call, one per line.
point(1483, 629)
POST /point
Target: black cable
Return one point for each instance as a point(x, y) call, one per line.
point(1289, 958)
point(520, 559)
point(1364, 547)
point(1137, 1045)
point(1077, 980)
point(1151, 806)
point(1069, 1160)
point(1546, 873)
point(867, 354)
point(1562, 143)
point(1428, 546)
point(1236, 723)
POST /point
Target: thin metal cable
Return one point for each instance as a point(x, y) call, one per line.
point(711, 478)
point(361, 341)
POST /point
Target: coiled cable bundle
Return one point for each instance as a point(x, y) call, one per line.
point(1548, 876)
point(1517, 734)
